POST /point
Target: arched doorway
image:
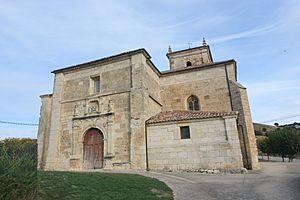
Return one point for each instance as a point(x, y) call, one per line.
point(93, 149)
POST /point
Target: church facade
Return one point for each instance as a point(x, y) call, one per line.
point(121, 112)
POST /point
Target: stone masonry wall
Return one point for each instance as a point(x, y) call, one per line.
point(52, 158)
point(113, 123)
point(197, 56)
point(144, 84)
point(214, 144)
point(209, 85)
point(246, 130)
point(77, 108)
point(131, 92)
point(44, 129)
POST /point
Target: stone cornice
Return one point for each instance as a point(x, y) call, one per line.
point(93, 116)
point(104, 60)
point(196, 68)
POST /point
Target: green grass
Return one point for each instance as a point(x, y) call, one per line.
point(84, 185)
point(19, 179)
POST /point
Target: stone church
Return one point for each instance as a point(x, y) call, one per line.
point(122, 112)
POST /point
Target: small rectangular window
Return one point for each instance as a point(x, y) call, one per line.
point(96, 81)
point(185, 132)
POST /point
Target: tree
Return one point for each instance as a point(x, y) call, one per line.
point(293, 138)
point(285, 142)
point(264, 146)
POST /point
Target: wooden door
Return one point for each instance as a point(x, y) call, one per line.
point(93, 149)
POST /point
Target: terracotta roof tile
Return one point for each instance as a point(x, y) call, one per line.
point(180, 115)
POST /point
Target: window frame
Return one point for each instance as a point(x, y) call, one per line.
point(95, 84)
point(182, 134)
point(193, 103)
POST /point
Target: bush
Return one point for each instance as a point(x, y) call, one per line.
point(18, 169)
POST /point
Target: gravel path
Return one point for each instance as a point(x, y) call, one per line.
point(276, 180)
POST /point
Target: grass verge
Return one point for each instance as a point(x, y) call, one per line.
point(84, 185)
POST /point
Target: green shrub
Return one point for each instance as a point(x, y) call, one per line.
point(18, 174)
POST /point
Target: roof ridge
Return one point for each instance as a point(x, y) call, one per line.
point(104, 59)
point(180, 115)
point(197, 66)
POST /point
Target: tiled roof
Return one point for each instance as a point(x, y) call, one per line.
point(180, 115)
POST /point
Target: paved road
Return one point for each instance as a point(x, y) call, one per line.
point(276, 181)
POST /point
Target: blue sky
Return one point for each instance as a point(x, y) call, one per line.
point(40, 36)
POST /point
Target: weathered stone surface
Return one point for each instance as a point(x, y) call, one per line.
point(44, 129)
point(245, 126)
point(131, 91)
point(196, 56)
point(208, 138)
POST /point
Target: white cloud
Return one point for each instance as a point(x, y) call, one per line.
point(246, 34)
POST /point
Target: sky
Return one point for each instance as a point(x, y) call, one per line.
point(37, 37)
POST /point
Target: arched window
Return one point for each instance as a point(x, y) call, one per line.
point(193, 103)
point(188, 64)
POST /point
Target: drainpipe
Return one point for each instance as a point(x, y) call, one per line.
point(129, 115)
point(129, 127)
point(146, 142)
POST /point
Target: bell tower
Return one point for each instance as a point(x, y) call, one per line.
point(190, 57)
